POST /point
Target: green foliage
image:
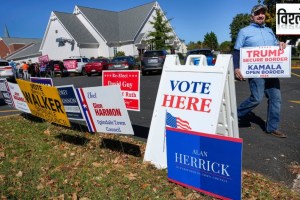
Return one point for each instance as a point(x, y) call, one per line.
point(226, 46)
point(120, 53)
point(239, 21)
point(211, 41)
point(194, 45)
point(161, 35)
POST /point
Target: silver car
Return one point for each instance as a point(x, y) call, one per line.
point(6, 71)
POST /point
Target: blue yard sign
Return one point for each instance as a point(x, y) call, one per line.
point(71, 103)
point(208, 163)
point(42, 80)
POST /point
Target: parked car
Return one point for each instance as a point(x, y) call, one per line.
point(96, 66)
point(122, 62)
point(57, 69)
point(153, 61)
point(6, 71)
point(76, 64)
point(207, 52)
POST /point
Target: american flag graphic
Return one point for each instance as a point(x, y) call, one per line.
point(177, 122)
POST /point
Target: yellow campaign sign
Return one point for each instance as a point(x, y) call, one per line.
point(44, 102)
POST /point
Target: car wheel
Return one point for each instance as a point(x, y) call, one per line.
point(88, 74)
point(83, 72)
point(144, 73)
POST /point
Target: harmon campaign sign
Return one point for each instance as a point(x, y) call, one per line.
point(44, 102)
point(265, 62)
point(104, 110)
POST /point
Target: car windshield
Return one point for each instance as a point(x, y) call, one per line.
point(120, 59)
point(4, 64)
point(153, 53)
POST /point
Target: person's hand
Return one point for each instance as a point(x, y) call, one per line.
point(282, 45)
point(238, 75)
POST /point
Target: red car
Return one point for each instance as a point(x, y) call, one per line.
point(96, 66)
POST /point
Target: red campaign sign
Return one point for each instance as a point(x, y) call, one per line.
point(129, 82)
point(43, 59)
point(70, 64)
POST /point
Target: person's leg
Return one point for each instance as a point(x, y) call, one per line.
point(274, 104)
point(256, 86)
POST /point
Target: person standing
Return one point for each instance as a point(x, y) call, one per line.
point(254, 35)
point(18, 67)
point(25, 68)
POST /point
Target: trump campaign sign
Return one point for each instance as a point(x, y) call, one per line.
point(104, 110)
point(129, 82)
point(265, 62)
point(208, 163)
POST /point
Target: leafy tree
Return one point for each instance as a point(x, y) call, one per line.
point(226, 46)
point(211, 41)
point(120, 53)
point(239, 21)
point(161, 35)
point(194, 45)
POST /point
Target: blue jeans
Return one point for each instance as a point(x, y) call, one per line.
point(258, 87)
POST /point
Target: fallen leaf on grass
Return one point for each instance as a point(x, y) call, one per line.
point(178, 194)
point(2, 155)
point(19, 174)
point(47, 132)
point(131, 176)
point(96, 164)
point(74, 196)
point(145, 185)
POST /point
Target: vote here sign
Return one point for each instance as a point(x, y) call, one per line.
point(129, 82)
point(265, 62)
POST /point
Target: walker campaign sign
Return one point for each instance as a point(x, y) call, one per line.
point(71, 103)
point(4, 89)
point(265, 62)
point(18, 98)
point(104, 110)
point(208, 163)
point(129, 82)
point(44, 102)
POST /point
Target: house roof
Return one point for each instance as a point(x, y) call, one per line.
point(76, 28)
point(118, 26)
point(31, 49)
point(26, 41)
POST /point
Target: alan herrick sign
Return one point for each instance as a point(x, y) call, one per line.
point(209, 163)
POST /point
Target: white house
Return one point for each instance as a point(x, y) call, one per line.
point(92, 32)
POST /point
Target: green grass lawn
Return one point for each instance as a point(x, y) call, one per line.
point(39, 160)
